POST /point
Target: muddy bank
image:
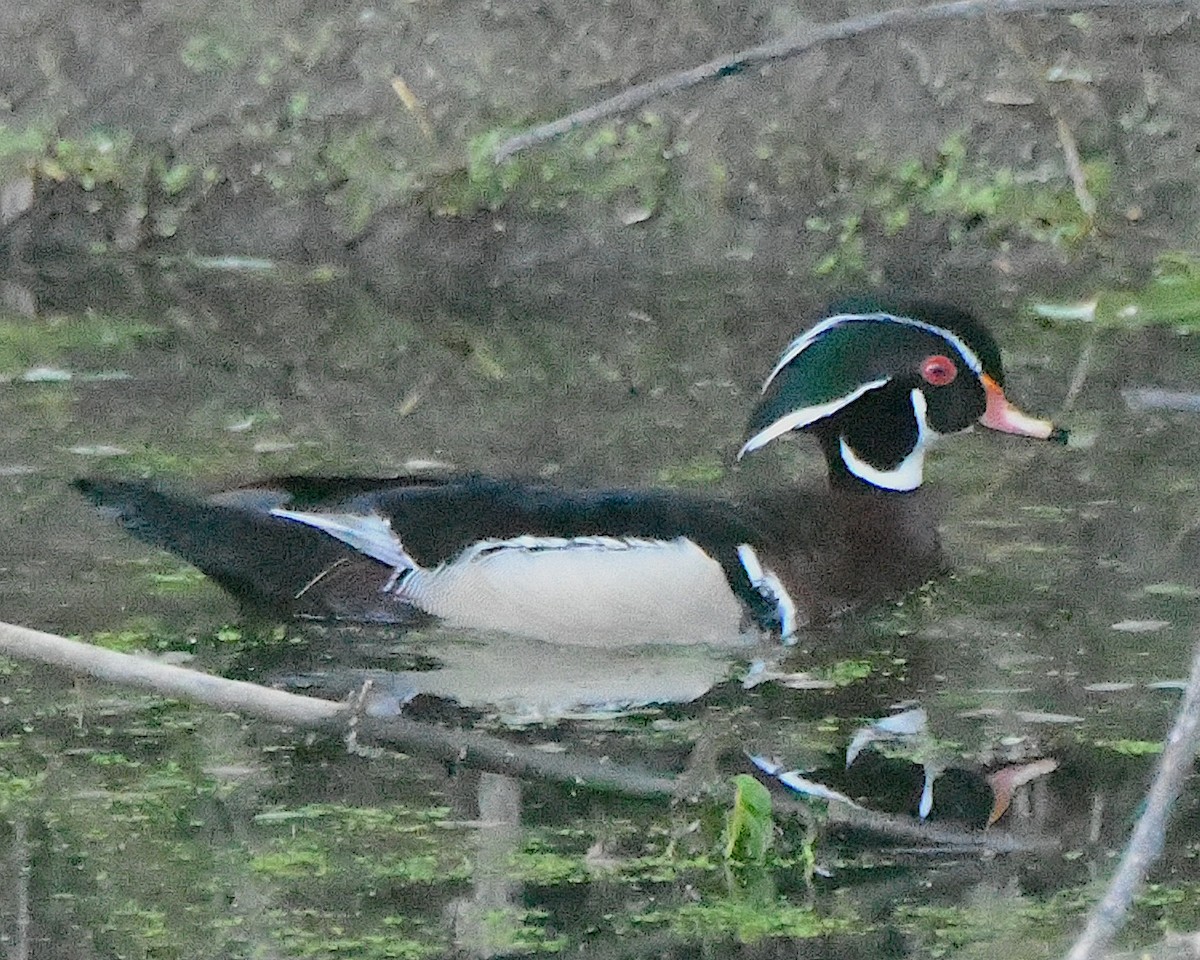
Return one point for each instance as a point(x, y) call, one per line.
point(358, 137)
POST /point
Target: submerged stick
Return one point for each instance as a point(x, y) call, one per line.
point(470, 748)
point(777, 50)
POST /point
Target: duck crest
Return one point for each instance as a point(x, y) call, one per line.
point(876, 386)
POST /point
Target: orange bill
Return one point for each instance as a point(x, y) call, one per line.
point(1004, 416)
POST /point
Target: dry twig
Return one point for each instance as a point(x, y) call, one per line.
point(778, 50)
point(1146, 843)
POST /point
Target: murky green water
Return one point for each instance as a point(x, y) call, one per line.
point(149, 829)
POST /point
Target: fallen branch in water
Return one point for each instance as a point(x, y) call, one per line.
point(144, 673)
point(478, 750)
point(469, 748)
point(787, 47)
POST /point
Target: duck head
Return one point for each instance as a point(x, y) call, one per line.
point(877, 382)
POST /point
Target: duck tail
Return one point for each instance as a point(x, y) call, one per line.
point(269, 565)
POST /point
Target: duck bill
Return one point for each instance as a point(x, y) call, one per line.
point(1003, 416)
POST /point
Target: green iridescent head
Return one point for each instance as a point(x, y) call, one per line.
point(876, 382)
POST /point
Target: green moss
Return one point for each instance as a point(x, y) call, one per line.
point(17, 790)
point(26, 343)
point(847, 261)
point(1174, 907)
point(141, 923)
point(700, 471)
point(1131, 748)
point(1027, 927)
point(213, 455)
point(98, 157)
point(665, 867)
point(619, 161)
point(971, 194)
point(403, 849)
point(314, 936)
point(337, 817)
point(174, 178)
point(513, 930)
point(1170, 298)
point(749, 921)
point(415, 870)
point(370, 172)
point(847, 672)
point(956, 188)
point(141, 634)
point(548, 868)
point(21, 149)
point(101, 759)
point(292, 863)
point(180, 580)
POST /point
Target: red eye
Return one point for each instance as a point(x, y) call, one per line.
point(938, 370)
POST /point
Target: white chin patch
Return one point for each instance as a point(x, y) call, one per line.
point(909, 472)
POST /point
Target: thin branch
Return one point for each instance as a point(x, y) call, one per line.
point(235, 696)
point(23, 871)
point(787, 47)
point(1066, 136)
point(1108, 916)
point(1083, 367)
point(940, 836)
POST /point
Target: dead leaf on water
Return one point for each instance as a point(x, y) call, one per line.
point(46, 375)
point(1141, 626)
point(98, 450)
point(1176, 591)
point(274, 446)
point(412, 105)
point(1010, 97)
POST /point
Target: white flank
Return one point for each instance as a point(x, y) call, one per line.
point(909, 472)
point(369, 534)
point(596, 591)
point(806, 416)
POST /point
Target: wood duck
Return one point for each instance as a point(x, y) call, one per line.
point(874, 382)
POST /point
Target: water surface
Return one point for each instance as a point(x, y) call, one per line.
point(154, 829)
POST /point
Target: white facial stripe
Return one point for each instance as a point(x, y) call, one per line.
point(909, 472)
point(806, 339)
point(806, 416)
